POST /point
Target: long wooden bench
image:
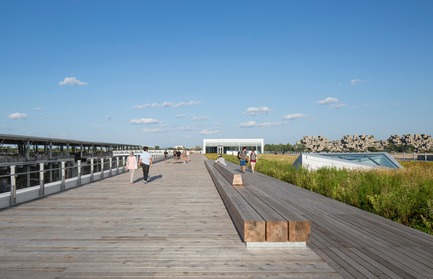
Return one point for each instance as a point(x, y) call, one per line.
point(274, 221)
point(250, 225)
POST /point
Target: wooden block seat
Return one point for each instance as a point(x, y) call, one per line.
point(248, 205)
point(231, 176)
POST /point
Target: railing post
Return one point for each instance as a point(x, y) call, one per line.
point(91, 170)
point(28, 175)
point(13, 196)
point(41, 180)
point(78, 172)
point(117, 164)
point(102, 168)
point(62, 186)
point(111, 166)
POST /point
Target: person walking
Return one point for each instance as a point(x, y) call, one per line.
point(185, 158)
point(243, 159)
point(165, 156)
point(145, 163)
point(253, 160)
point(131, 165)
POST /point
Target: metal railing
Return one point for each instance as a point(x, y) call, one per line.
point(19, 183)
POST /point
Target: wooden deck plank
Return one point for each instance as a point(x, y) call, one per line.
point(178, 226)
point(174, 226)
point(369, 244)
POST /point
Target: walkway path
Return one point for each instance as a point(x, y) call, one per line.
point(174, 226)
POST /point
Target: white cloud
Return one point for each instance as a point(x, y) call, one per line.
point(248, 124)
point(189, 103)
point(199, 118)
point(72, 81)
point(254, 124)
point(18, 116)
point(332, 103)
point(327, 101)
point(293, 116)
point(256, 111)
point(208, 132)
point(181, 116)
point(167, 105)
point(144, 121)
point(355, 81)
point(270, 124)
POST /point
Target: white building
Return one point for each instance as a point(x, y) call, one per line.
point(228, 146)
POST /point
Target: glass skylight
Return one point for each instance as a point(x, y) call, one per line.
point(347, 160)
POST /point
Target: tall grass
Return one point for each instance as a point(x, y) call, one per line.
point(404, 196)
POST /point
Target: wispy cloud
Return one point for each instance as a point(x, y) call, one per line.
point(208, 132)
point(256, 111)
point(18, 116)
point(355, 82)
point(167, 105)
point(144, 121)
point(179, 116)
point(72, 81)
point(293, 116)
point(327, 101)
point(254, 124)
point(332, 103)
point(199, 118)
point(155, 130)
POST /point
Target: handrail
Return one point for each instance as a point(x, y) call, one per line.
point(94, 169)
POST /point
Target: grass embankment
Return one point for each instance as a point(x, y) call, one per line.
point(404, 196)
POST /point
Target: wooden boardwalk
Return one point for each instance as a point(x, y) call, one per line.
point(357, 244)
point(174, 226)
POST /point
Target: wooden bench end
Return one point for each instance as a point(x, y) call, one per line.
point(237, 180)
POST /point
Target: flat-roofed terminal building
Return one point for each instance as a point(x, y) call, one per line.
point(228, 146)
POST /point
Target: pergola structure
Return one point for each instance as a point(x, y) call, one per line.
point(27, 148)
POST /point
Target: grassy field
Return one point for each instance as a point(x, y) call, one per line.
point(404, 196)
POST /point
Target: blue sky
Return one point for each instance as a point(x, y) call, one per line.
point(174, 72)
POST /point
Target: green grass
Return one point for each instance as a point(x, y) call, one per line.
point(404, 196)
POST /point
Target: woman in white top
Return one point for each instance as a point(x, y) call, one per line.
point(131, 165)
point(253, 160)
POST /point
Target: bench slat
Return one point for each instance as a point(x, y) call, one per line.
point(298, 226)
point(250, 225)
point(277, 227)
